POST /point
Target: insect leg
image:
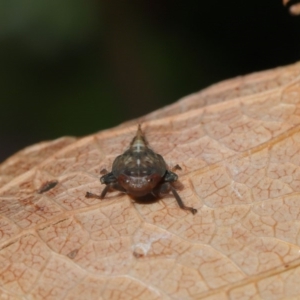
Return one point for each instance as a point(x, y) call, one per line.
point(165, 188)
point(91, 195)
point(177, 167)
point(180, 202)
point(113, 186)
point(105, 190)
point(108, 178)
point(170, 176)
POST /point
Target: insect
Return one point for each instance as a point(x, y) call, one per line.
point(139, 171)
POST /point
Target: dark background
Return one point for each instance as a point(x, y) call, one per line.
point(74, 67)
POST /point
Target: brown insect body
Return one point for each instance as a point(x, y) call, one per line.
point(140, 171)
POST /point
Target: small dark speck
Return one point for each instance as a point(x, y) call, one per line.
point(177, 167)
point(103, 171)
point(73, 253)
point(40, 208)
point(137, 255)
point(47, 186)
point(286, 266)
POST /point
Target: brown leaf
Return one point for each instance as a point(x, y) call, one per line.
point(294, 8)
point(238, 144)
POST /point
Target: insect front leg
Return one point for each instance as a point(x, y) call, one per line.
point(111, 183)
point(170, 176)
point(112, 186)
point(176, 168)
point(165, 188)
point(180, 202)
point(110, 180)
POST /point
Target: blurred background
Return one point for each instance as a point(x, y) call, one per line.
point(74, 67)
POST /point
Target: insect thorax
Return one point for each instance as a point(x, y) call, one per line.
point(139, 172)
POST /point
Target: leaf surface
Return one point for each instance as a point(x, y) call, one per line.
point(238, 144)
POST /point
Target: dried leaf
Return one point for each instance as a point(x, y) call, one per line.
point(238, 144)
point(294, 7)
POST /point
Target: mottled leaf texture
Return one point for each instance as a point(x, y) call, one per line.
point(238, 144)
